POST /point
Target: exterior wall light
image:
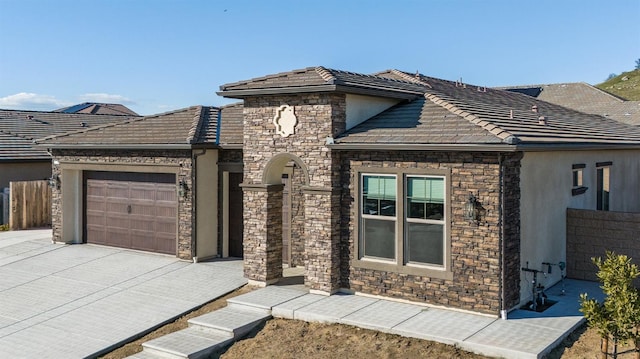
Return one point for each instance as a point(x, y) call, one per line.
point(182, 189)
point(54, 182)
point(471, 208)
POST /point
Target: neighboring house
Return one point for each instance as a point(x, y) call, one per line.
point(96, 108)
point(585, 98)
point(416, 188)
point(19, 159)
point(165, 183)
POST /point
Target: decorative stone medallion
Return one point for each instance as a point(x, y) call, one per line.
point(285, 121)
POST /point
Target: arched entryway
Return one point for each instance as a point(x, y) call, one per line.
point(292, 174)
point(263, 218)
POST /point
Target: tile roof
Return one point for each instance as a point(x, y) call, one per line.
point(500, 116)
point(418, 122)
point(16, 148)
point(187, 126)
point(18, 129)
point(96, 108)
point(231, 126)
point(314, 79)
point(585, 98)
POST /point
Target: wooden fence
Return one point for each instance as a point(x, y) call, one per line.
point(30, 204)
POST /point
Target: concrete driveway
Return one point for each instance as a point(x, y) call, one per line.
point(75, 301)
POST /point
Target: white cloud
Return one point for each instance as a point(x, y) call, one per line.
point(106, 98)
point(31, 101)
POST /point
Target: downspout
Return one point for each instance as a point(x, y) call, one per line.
point(501, 235)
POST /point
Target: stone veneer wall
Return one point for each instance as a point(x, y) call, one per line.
point(230, 156)
point(319, 115)
point(511, 220)
point(592, 233)
point(297, 218)
point(475, 249)
point(181, 158)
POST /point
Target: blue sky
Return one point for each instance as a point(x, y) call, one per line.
point(161, 55)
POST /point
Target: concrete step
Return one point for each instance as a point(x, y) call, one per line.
point(265, 298)
point(145, 355)
point(192, 343)
point(237, 321)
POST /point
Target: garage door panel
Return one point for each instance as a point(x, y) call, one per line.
point(142, 210)
point(118, 237)
point(124, 211)
point(166, 212)
point(141, 241)
point(97, 233)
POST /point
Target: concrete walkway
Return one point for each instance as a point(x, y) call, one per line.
point(75, 301)
point(525, 334)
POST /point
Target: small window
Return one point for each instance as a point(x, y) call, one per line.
point(577, 179)
point(603, 187)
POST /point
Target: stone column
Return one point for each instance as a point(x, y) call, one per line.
point(322, 239)
point(262, 241)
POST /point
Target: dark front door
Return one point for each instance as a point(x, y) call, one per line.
point(235, 215)
point(131, 210)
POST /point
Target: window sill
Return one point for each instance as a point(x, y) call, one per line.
point(402, 269)
point(579, 190)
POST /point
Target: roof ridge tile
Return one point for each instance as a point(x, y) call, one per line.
point(325, 74)
point(196, 124)
point(415, 79)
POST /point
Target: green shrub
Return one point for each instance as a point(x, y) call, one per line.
point(618, 317)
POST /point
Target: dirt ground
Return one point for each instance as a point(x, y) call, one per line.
point(282, 339)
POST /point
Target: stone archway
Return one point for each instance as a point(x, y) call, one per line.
point(289, 170)
point(263, 223)
point(276, 165)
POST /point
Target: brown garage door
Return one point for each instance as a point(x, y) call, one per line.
point(131, 210)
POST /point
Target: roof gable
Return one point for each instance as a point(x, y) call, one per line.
point(321, 79)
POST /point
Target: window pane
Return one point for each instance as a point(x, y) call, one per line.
point(379, 195)
point(602, 189)
point(425, 198)
point(425, 243)
point(577, 178)
point(379, 238)
point(379, 187)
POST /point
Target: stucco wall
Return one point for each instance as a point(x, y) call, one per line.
point(546, 185)
point(23, 171)
point(206, 215)
point(361, 108)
